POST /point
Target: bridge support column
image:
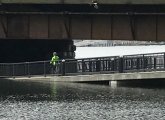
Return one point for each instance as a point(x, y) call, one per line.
point(68, 50)
point(121, 64)
point(98, 67)
point(113, 84)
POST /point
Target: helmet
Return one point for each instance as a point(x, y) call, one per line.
point(54, 53)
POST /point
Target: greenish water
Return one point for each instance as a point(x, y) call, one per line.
point(76, 101)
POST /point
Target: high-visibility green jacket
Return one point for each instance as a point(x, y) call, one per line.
point(54, 60)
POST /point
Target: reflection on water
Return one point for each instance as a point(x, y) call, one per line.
point(75, 101)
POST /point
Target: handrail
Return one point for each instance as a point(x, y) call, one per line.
point(111, 64)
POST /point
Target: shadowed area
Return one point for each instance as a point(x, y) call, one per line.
point(32, 50)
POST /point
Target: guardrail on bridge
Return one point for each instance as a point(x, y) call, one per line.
point(112, 64)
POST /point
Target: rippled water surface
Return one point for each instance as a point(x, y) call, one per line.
point(76, 101)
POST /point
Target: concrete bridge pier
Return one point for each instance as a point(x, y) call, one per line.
point(113, 84)
point(66, 50)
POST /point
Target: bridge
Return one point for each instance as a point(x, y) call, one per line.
point(31, 30)
point(128, 67)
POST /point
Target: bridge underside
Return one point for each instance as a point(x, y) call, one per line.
point(108, 27)
point(110, 22)
point(48, 27)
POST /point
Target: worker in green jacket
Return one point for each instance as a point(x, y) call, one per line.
point(54, 61)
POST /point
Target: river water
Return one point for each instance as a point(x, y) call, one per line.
point(22, 100)
point(87, 52)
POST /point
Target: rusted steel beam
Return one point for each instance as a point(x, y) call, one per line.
point(132, 26)
point(78, 13)
point(97, 26)
point(83, 1)
point(3, 26)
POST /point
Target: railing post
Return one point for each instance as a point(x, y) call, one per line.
point(164, 60)
point(98, 63)
point(112, 66)
point(121, 64)
point(13, 71)
point(109, 65)
point(150, 63)
point(106, 65)
point(138, 64)
point(144, 64)
point(44, 68)
point(154, 63)
point(83, 66)
point(28, 69)
point(63, 67)
point(90, 66)
point(131, 63)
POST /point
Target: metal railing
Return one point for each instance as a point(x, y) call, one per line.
point(144, 62)
point(92, 65)
point(25, 69)
point(113, 64)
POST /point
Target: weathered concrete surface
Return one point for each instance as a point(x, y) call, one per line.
point(34, 78)
point(95, 77)
point(86, 1)
point(110, 77)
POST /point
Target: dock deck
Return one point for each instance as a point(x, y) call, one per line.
point(97, 77)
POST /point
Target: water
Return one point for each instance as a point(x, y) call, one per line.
point(87, 52)
point(21, 100)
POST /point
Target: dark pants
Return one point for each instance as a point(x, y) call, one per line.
point(55, 69)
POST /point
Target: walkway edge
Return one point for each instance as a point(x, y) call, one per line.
point(110, 77)
point(97, 77)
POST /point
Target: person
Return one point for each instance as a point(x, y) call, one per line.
point(54, 61)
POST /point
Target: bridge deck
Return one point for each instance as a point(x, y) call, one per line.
point(97, 77)
point(111, 77)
